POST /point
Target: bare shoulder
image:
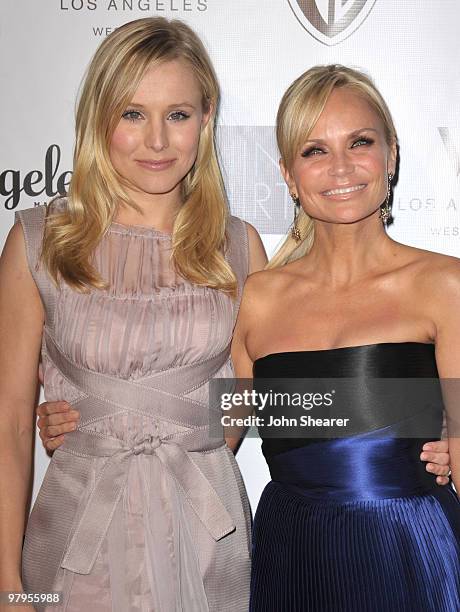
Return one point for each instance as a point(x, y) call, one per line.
point(259, 291)
point(254, 239)
point(443, 275)
point(18, 292)
point(435, 279)
point(14, 250)
point(265, 283)
point(437, 272)
point(257, 254)
point(14, 267)
point(253, 234)
point(421, 263)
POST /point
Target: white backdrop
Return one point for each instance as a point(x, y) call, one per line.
point(258, 47)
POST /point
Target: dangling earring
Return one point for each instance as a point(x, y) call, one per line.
point(385, 210)
point(295, 232)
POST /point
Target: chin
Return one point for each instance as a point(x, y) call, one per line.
point(157, 188)
point(345, 217)
point(353, 214)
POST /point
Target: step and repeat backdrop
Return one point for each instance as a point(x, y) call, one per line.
point(258, 47)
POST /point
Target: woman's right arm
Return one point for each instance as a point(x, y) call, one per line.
point(242, 362)
point(21, 328)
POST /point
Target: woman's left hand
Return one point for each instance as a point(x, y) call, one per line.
point(437, 454)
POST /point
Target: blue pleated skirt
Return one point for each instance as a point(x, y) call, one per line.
point(386, 555)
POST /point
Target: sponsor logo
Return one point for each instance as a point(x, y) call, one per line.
point(44, 183)
point(152, 6)
point(331, 21)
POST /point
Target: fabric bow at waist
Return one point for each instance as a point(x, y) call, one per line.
point(107, 395)
point(174, 456)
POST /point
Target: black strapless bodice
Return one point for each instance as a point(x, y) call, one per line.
point(386, 360)
point(407, 360)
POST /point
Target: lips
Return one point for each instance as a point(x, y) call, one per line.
point(344, 190)
point(155, 164)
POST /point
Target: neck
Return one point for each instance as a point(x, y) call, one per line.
point(154, 210)
point(346, 253)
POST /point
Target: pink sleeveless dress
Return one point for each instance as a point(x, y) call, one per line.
point(142, 508)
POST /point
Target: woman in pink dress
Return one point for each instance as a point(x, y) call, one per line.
point(130, 287)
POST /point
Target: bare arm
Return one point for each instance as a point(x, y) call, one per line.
point(21, 324)
point(257, 261)
point(447, 318)
point(257, 255)
point(242, 362)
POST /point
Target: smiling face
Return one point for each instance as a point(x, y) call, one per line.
point(340, 172)
point(155, 144)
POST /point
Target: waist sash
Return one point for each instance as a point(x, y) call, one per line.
point(369, 466)
point(160, 398)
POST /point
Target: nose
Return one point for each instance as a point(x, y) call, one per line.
point(341, 164)
point(156, 137)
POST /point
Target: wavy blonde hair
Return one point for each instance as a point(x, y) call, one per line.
point(96, 189)
point(299, 110)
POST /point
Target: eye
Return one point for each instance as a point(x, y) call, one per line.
point(362, 141)
point(131, 115)
point(178, 116)
point(312, 151)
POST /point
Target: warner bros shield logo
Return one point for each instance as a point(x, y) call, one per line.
point(331, 21)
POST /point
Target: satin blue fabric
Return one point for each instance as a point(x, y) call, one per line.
point(382, 466)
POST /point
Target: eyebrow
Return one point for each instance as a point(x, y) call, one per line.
point(351, 135)
point(179, 104)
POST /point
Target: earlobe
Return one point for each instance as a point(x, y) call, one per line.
point(392, 160)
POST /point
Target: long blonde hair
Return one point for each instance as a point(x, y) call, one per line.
point(199, 232)
point(299, 110)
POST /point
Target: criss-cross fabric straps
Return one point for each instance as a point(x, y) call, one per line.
point(108, 395)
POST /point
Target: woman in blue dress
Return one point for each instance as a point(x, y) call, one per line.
point(351, 521)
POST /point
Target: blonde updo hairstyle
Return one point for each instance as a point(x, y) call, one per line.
point(96, 189)
point(299, 110)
